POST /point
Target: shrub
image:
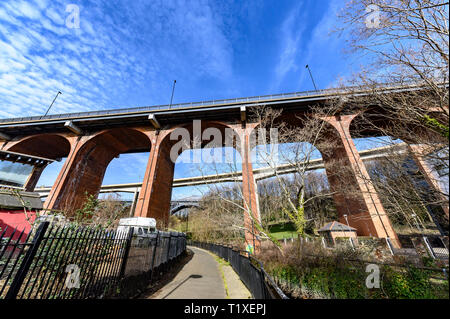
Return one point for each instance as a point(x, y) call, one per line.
point(309, 271)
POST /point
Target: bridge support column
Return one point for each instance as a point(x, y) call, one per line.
point(156, 192)
point(252, 218)
point(32, 180)
point(53, 199)
point(81, 173)
point(418, 152)
point(355, 197)
point(133, 204)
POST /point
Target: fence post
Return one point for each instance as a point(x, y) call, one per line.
point(263, 281)
point(428, 246)
point(352, 243)
point(323, 243)
point(168, 249)
point(126, 252)
point(445, 272)
point(389, 245)
point(154, 254)
point(26, 263)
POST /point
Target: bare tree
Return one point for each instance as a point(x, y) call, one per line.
point(227, 203)
point(290, 194)
point(319, 205)
point(218, 220)
point(403, 91)
point(407, 42)
point(109, 210)
point(297, 148)
point(406, 197)
point(407, 39)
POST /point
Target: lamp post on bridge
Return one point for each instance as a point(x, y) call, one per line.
point(59, 92)
point(312, 79)
point(173, 90)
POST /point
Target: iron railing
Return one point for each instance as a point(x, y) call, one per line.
point(250, 271)
point(62, 262)
point(412, 246)
point(72, 262)
point(150, 254)
point(153, 251)
point(173, 106)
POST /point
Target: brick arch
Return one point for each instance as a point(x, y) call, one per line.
point(154, 198)
point(85, 167)
point(52, 146)
point(373, 121)
point(353, 195)
point(418, 142)
point(223, 128)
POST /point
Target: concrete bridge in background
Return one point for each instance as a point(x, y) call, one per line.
point(185, 203)
point(91, 140)
point(258, 173)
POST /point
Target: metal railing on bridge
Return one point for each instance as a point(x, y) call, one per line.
point(173, 106)
point(252, 99)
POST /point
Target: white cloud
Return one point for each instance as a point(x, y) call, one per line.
point(115, 54)
point(25, 9)
point(291, 35)
point(54, 16)
point(20, 42)
point(57, 29)
point(6, 16)
point(42, 4)
point(325, 43)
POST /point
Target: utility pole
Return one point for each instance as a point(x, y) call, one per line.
point(59, 92)
point(310, 74)
point(173, 90)
point(345, 216)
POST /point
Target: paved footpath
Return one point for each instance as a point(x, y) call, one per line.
point(201, 278)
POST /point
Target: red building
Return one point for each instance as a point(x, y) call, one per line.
point(12, 212)
point(18, 204)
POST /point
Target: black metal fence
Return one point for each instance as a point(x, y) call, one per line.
point(249, 269)
point(153, 251)
point(69, 262)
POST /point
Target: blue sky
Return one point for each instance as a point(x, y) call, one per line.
point(127, 53)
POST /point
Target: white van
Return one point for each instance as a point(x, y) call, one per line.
point(142, 226)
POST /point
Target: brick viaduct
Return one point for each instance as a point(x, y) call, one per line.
point(89, 141)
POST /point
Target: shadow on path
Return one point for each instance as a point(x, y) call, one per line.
point(164, 278)
point(191, 276)
point(200, 278)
